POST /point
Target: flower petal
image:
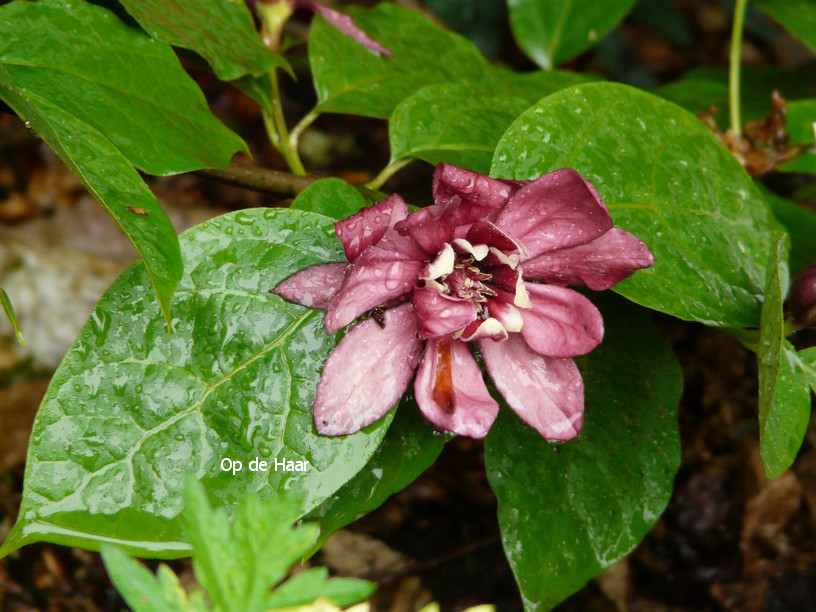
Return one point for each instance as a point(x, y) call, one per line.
point(485, 232)
point(598, 264)
point(546, 392)
point(314, 286)
point(370, 284)
point(367, 227)
point(440, 315)
point(489, 328)
point(561, 322)
point(344, 24)
point(556, 211)
point(367, 373)
point(429, 227)
point(506, 314)
point(469, 195)
point(442, 265)
point(451, 392)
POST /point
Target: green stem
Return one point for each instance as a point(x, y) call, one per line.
point(276, 129)
point(386, 173)
point(734, 67)
point(305, 122)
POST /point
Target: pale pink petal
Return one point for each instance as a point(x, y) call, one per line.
point(546, 392)
point(367, 227)
point(441, 315)
point(489, 328)
point(314, 286)
point(451, 392)
point(599, 264)
point(506, 314)
point(345, 24)
point(561, 322)
point(556, 211)
point(469, 195)
point(429, 227)
point(367, 373)
point(370, 284)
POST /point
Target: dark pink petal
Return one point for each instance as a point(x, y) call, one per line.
point(485, 232)
point(344, 23)
point(314, 286)
point(370, 284)
point(489, 328)
point(546, 392)
point(561, 322)
point(451, 392)
point(367, 227)
point(556, 211)
point(429, 227)
point(599, 264)
point(441, 315)
point(469, 195)
point(367, 373)
point(506, 314)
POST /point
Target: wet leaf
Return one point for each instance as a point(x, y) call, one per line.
point(221, 32)
point(784, 388)
point(106, 97)
point(350, 79)
point(408, 449)
point(800, 222)
point(667, 179)
point(462, 123)
point(332, 197)
point(796, 16)
point(8, 308)
point(551, 32)
point(569, 511)
point(132, 409)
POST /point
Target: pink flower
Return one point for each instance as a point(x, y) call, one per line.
point(459, 272)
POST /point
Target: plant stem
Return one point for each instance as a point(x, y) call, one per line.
point(276, 129)
point(261, 179)
point(305, 122)
point(386, 173)
point(735, 57)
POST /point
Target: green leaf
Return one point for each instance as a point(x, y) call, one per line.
point(408, 449)
point(350, 79)
point(569, 511)
point(784, 389)
point(668, 180)
point(800, 223)
point(114, 80)
point(802, 130)
point(797, 16)
point(140, 589)
point(807, 361)
point(238, 562)
point(550, 31)
point(220, 31)
point(8, 308)
point(131, 410)
point(462, 123)
point(306, 587)
point(332, 197)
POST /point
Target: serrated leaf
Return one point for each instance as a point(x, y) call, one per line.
point(350, 79)
point(408, 449)
point(796, 16)
point(550, 31)
point(569, 511)
point(220, 31)
point(668, 180)
point(314, 583)
point(462, 123)
point(8, 308)
point(132, 410)
point(784, 389)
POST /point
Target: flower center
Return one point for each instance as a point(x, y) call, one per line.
point(467, 281)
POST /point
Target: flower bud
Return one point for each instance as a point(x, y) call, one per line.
point(803, 297)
